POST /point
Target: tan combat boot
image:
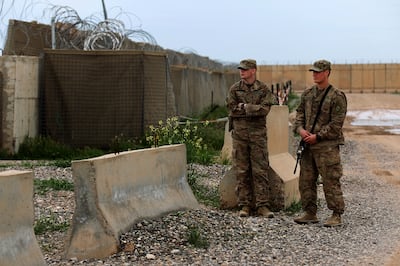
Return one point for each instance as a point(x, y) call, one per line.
point(264, 211)
point(334, 220)
point(307, 218)
point(245, 211)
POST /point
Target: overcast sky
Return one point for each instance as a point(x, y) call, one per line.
point(270, 31)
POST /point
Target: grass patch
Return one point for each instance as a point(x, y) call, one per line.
point(204, 194)
point(294, 208)
point(49, 224)
point(196, 239)
point(62, 163)
point(214, 112)
point(203, 141)
point(6, 165)
point(223, 159)
point(45, 185)
point(293, 101)
point(45, 148)
point(32, 164)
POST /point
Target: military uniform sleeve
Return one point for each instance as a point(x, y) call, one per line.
point(232, 102)
point(338, 114)
point(299, 122)
point(263, 108)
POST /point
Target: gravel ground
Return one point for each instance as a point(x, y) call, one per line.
point(369, 236)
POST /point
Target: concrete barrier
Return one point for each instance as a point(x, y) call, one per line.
point(18, 245)
point(19, 77)
point(114, 191)
point(283, 183)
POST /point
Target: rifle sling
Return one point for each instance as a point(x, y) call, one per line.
point(320, 106)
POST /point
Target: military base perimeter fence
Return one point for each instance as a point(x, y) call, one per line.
point(87, 97)
point(83, 83)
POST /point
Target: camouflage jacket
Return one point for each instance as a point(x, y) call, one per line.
point(331, 118)
point(258, 98)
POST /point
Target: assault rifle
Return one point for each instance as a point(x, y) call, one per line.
point(302, 144)
point(299, 153)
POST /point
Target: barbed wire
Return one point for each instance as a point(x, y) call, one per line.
point(69, 31)
point(108, 34)
point(92, 33)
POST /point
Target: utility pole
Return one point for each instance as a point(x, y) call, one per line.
point(104, 10)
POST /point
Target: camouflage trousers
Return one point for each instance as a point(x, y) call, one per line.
point(326, 163)
point(250, 164)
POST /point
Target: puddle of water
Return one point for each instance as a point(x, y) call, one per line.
point(394, 131)
point(379, 117)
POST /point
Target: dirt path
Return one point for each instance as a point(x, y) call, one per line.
point(363, 101)
point(377, 135)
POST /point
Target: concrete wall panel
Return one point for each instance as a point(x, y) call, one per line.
point(115, 191)
point(277, 129)
point(20, 100)
point(283, 183)
point(18, 245)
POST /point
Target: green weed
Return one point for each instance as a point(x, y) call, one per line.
point(204, 194)
point(49, 224)
point(61, 163)
point(214, 112)
point(172, 131)
point(45, 185)
point(43, 148)
point(196, 239)
point(47, 148)
point(294, 208)
point(293, 101)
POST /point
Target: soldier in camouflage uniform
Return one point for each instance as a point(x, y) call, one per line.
point(249, 101)
point(321, 155)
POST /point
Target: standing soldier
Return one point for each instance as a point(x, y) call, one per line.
point(249, 101)
point(319, 121)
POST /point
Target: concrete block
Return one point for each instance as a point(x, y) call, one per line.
point(227, 191)
point(226, 152)
point(277, 131)
point(20, 100)
point(115, 191)
point(283, 183)
point(282, 166)
point(18, 244)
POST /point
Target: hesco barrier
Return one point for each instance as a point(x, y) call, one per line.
point(351, 78)
point(91, 97)
point(283, 183)
point(114, 191)
point(18, 245)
